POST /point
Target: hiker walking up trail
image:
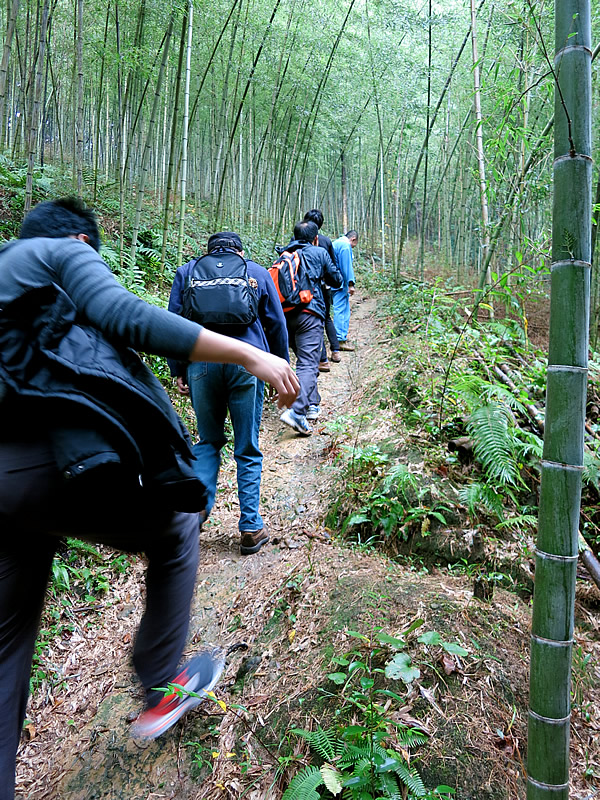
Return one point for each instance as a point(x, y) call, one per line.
point(304, 316)
point(91, 447)
point(210, 290)
point(343, 248)
point(316, 216)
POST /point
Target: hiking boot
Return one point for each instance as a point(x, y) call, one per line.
point(313, 412)
point(347, 346)
point(296, 421)
point(324, 366)
point(198, 676)
point(335, 356)
point(252, 541)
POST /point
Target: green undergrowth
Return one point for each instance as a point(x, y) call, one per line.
point(81, 575)
point(444, 458)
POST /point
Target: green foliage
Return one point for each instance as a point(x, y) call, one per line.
point(357, 767)
point(395, 507)
point(490, 429)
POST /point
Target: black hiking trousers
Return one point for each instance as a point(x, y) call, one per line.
point(37, 507)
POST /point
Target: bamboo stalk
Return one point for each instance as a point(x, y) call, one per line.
point(562, 463)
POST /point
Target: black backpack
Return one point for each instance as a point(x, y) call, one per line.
point(219, 293)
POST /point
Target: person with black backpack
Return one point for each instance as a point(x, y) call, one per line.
point(229, 295)
point(299, 274)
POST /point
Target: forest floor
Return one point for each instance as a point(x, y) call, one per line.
point(296, 604)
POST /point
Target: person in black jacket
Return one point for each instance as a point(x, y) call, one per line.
point(305, 326)
point(90, 447)
point(316, 215)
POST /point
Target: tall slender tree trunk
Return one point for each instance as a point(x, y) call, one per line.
point(10, 29)
point(143, 174)
point(172, 148)
point(562, 464)
point(184, 142)
point(34, 116)
point(485, 235)
point(79, 125)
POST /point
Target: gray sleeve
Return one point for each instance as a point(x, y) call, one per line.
point(120, 315)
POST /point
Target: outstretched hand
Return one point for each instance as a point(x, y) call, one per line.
point(276, 372)
point(266, 367)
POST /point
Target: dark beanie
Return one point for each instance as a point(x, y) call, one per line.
point(225, 239)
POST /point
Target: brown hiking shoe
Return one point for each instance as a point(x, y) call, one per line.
point(252, 541)
point(335, 356)
point(324, 366)
point(347, 346)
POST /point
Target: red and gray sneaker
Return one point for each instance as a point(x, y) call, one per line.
point(198, 676)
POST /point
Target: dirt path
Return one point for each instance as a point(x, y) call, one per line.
point(79, 745)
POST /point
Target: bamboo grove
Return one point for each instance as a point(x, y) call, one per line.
point(413, 122)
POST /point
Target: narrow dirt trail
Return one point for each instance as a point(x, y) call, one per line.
point(79, 747)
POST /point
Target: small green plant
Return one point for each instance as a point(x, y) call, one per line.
point(396, 507)
point(365, 757)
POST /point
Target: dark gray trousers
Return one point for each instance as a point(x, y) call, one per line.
point(37, 507)
point(306, 340)
point(329, 327)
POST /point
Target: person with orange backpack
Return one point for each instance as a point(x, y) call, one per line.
point(299, 274)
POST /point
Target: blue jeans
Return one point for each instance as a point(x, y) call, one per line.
point(340, 299)
point(215, 388)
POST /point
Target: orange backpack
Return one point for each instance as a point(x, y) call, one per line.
point(290, 277)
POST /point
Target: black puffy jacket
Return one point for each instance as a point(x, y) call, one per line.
point(101, 407)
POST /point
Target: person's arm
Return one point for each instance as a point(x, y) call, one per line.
point(351, 279)
point(273, 320)
point(178, 368)
point(344, 262)
point(125, 318)
point(266, 367)
point(331, 273)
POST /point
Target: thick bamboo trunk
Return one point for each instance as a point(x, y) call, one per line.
point(562, 464)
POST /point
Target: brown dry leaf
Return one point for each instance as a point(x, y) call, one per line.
point(449, 663)
point(257, 700)
point(507, 744)
point(30, 731)
point(126, 638)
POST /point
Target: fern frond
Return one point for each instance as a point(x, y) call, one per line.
point(303, 786)
point(410, 738)
point(411, 778)
point(325, 743)
point(494, 442)
point(530, 445)
point(477, 495)
point(354, 754)
point(591, 470)
point(388, 784)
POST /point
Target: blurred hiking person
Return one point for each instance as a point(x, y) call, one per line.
point(91, 447)
point(343, 247)
point(212, 291)
point(316, 216)
point(301, 295)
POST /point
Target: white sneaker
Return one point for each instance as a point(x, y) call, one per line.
point(296, 421)
point(313, 412)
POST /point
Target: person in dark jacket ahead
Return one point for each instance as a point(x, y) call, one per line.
point(90, 447)
point(215, 389)
point(305, 326)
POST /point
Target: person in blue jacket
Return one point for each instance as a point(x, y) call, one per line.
point(91, 447)
point(343, 247)
point(215, 389)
